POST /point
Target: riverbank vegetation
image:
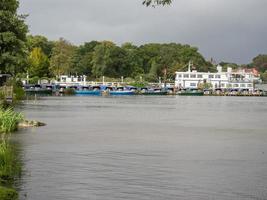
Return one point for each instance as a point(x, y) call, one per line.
point(10, 167)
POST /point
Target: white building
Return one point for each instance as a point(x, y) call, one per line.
point(219, 80)
point(71, 80)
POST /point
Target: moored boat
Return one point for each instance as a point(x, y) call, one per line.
point(86, 90)
point(153, 91)
point(190, 92)
point(121, 91)
point(37, 89)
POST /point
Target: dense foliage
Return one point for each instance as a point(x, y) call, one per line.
point(12, 37)
point(96, 59)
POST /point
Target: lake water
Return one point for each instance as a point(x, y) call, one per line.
point(145, 148)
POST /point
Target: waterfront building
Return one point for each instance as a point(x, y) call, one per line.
point(241, 79)
point(71, 80)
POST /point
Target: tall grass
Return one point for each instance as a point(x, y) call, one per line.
point(10, 169)
point(9, 120)
point(9, 165)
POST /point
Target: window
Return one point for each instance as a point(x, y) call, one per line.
point(180, 75)
point(193, 76)
point(236, 85)
point(249, 85)
point(211, 76)
point(222, 85)
point(193, 84)
point(229, 85)
point(199, 76)
point(217, 76)
point(242, 85)
point(186, 75)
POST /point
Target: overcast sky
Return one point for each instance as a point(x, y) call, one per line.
point(226, 30)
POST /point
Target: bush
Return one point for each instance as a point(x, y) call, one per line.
point(34, 80)
point(138, 84)
point(8, 194)
point(69, 91)
point(19, 93)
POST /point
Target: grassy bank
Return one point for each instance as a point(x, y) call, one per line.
point(10, 167)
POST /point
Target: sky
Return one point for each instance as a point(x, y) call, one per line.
point(225, 30)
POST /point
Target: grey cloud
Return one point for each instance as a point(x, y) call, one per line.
point(229, 30)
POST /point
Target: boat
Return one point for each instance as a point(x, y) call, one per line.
point(120, 91)
point(190, 92)
point(153, 91)
point(37, 89)
point(87, 90)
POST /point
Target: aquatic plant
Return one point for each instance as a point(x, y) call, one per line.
point(9, 120)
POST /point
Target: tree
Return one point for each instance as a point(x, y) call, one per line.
point(62, 53)
point(101, 58)
point(12, 37)
point(133, 61)
point(264, 76)
point(40, 42)
point(226, 64)
point(156, 2)
point(82, 59)
point(38, 63)
point(260, 62)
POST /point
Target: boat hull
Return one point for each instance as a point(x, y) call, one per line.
point(155, 93)
point(88, 92)
point(191, 93)
point(119, 93)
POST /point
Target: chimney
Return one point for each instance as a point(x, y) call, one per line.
point(219, 69)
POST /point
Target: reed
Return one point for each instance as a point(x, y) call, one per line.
point(9, 165)
point(9, 120)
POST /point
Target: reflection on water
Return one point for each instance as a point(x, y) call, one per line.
point(145, 148)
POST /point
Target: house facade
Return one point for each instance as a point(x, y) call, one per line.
point(238, 79)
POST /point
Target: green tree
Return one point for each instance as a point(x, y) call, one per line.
point(260, 62)
point(40, 42)
point(82, 59)
point(264, 77)
point(227, 64)
point(101, 58)
point(12, 37)
point(133, 61)
point(38, 63)
point(61, 58)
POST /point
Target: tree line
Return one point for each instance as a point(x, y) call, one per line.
point(96, 59)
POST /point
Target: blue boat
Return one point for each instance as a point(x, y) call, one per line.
point(116, 91)
point(119, 93)
point(85, 90)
